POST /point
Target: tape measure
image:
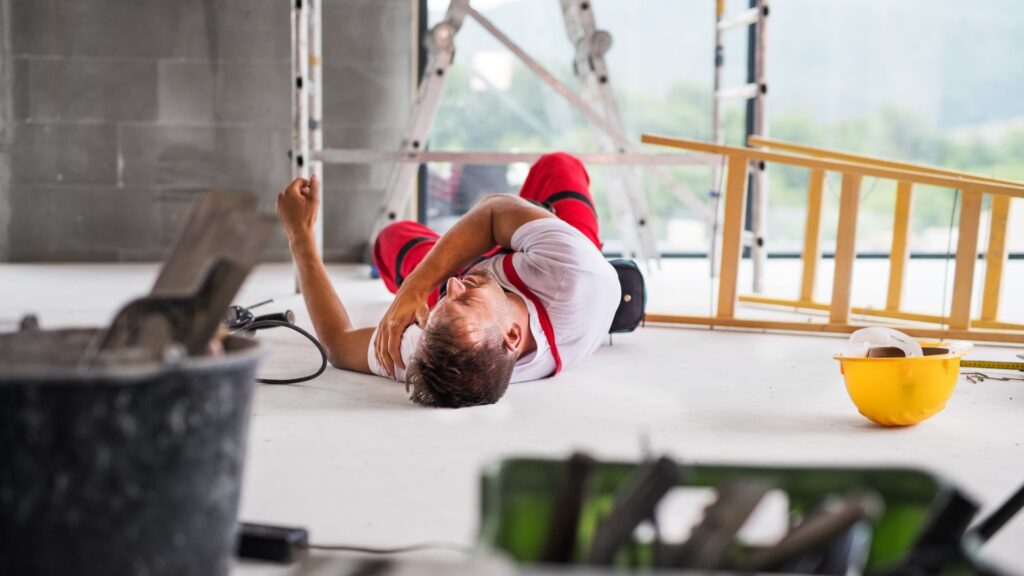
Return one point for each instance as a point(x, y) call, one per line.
point(992, 365)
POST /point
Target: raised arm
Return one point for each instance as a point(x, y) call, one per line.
point(493, 221)
point(346, 346)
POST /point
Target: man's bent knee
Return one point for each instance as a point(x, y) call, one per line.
point(559, 161)
point(393, 229)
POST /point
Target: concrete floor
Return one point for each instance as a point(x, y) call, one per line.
point(351, 459)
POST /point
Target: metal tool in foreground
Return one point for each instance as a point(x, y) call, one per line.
point(221, 240)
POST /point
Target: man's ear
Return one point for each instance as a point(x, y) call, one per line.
point(513, 337)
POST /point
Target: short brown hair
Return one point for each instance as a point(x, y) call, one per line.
point(449, 371)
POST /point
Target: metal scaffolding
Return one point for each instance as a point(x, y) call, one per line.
point(595, 101)
point(307, 98)
point(755, 92)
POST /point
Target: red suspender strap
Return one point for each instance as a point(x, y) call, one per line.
point(545, 321)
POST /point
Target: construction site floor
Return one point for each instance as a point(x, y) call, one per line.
point(349, 457)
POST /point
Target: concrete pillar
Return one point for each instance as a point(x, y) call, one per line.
point(6, 126)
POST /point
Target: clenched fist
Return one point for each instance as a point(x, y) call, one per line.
point(298, 205)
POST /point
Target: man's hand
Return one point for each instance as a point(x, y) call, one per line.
point(297, 206)
point(408, 306)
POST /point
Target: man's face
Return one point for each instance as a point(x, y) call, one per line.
point(476, 301)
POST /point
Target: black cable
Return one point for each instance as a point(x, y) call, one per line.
point(1007, 510)
point(278, 323)
point(445, 546)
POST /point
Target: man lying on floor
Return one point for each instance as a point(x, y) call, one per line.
point(512, 292)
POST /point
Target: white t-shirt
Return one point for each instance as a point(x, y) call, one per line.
point(567, 273)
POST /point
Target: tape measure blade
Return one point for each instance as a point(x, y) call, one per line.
point(993, 365)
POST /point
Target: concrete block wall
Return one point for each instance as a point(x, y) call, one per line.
point(124, 110)
point(6, 128)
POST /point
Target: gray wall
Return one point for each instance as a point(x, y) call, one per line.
point(6, 132)
point(125, 110)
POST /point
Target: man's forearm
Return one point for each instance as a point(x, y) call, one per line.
point(346, 347)
point(491, 222)
point(470, 237)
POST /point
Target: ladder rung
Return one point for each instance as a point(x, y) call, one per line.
point(745, 92)
point(745, 18)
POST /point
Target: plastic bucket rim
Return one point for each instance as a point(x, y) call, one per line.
point(248, 351)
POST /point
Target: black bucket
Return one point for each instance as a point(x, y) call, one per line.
point(126, 470)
